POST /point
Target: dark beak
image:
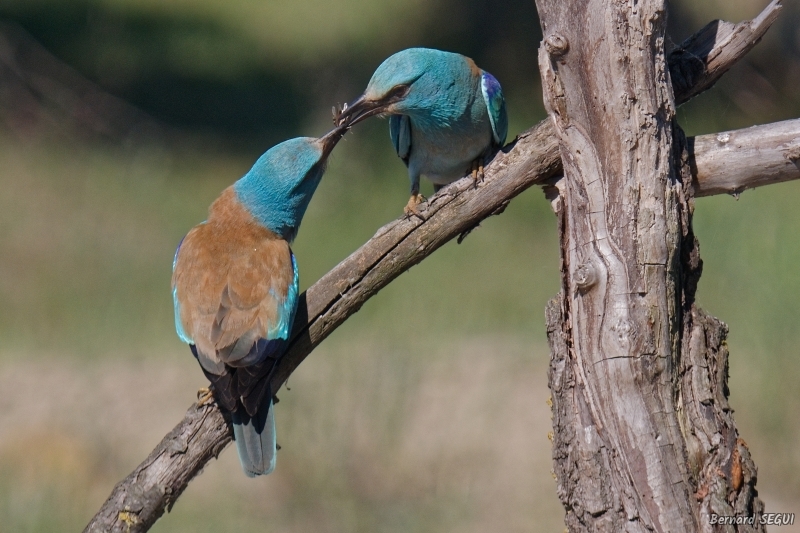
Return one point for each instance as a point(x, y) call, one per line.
point(360, 109)
point(330, 139)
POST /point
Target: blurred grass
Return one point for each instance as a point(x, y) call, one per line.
point(370, 442)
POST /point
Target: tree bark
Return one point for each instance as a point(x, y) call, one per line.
point(153, 487)
point(704, 57)
point(644, 439)
point(733, 161)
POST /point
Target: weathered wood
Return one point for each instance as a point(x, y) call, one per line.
point(608, 93)
point(141, 498)
point(643, 441)
point(153, 487)
point(704, 57)
point(723, 472)
point(732, 161)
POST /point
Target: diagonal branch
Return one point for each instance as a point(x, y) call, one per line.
point(533, 158)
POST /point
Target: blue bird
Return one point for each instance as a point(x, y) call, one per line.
point(235, 287)
point(447, 114)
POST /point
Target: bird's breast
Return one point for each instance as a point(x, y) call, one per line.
point(445, 154)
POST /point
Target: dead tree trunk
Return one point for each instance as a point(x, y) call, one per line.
point(644, 439)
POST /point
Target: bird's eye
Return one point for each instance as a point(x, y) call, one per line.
point(399, 91)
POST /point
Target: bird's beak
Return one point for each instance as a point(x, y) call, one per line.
point(360, 109)
point(330, 139)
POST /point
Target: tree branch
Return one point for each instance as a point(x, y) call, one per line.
point(733, 161)
point(704, 57)
point(533, 158)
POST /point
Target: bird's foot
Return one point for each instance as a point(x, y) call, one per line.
point(477, 171)
point(411, 207)
point(205, 396)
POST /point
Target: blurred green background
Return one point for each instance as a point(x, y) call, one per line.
point(121, 120)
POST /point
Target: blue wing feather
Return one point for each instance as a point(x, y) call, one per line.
point(178, 324)
point(400, 132)
point(496, 105)
point(286, 309)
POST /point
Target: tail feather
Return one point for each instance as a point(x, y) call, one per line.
point(255, 439)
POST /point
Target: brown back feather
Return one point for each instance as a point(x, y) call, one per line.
point(231, 275)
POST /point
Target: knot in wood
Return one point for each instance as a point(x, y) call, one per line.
point(556, 45)
point(585, 277)
point(793, 154)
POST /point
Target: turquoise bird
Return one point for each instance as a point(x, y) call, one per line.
point(446, 114)
point(235, 287)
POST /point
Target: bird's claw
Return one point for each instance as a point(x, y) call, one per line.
point(477, 172)
point(411, 207)
point(205, 396)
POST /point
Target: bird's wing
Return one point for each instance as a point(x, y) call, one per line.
point(178, 322)
point(235, 292)
point(400, 132)
point(496, 105)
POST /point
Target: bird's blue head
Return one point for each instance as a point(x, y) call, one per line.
point(414, 80)
point(279, 187)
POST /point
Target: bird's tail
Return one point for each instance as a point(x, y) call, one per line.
point(255, 438)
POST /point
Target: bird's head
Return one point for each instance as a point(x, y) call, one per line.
point(279, 187)
point(403, 83)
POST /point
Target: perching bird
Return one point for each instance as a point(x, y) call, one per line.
point(447, 114)
point(235, 287)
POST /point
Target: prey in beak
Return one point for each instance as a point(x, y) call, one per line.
point(364, 107)
point(329, 140)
